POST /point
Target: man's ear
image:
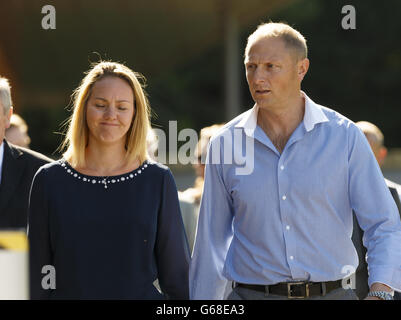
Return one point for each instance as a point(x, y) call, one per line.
point(382, 155)
point(8, 117)
point(302, 68)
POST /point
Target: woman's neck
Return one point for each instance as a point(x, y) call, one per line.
point(106, 160)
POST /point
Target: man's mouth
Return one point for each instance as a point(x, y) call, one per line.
point(262, 91)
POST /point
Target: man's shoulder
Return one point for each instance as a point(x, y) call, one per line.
point(337, 121)
point(335, 117)
point(229, 126)
point(29, 155)
point(238, 118)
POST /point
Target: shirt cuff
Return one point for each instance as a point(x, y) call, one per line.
point(386, 275)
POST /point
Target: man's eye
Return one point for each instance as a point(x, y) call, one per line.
point(269, 65)
point(250, 66)
point(99, 105)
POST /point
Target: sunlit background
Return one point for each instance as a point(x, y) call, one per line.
point(191, 53)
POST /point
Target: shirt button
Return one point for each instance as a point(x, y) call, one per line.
point(284, 197)
point(282, 167)
point(287, 227)
point(292, 257)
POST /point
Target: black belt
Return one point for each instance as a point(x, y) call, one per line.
point(295, 289)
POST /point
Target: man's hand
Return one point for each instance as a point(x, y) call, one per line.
point(378, 287)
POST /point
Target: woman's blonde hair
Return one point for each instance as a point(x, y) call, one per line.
point(76, 139)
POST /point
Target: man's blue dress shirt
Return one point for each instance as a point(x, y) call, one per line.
point(288, 216)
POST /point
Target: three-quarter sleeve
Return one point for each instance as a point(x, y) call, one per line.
point(172, 251)
point(38, 235)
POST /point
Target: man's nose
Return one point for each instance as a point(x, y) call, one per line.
point(260, 76)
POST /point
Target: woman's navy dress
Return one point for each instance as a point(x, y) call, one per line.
point(106, 237)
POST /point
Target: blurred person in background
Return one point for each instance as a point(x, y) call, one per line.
point(375, 138)
point(190, 198)
point(283, 230)
point(17, 168)
point(104, 216)
point(17, 133)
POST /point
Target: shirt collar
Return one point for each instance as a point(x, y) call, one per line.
point(313, 115)
point(249, 120)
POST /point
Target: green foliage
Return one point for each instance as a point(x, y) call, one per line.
point(357, 72)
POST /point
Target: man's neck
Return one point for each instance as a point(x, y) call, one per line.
point(279, 123)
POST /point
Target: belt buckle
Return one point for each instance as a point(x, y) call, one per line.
point(289, 290)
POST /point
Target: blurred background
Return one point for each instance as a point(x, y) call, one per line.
point(191, 53)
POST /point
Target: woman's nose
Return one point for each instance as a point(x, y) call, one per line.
point(110, 112)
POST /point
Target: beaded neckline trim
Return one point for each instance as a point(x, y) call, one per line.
point(104, 180)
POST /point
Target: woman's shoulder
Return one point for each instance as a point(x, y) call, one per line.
point(50, 174)
point(52, 168)
point(160, 172)
point(157, 167)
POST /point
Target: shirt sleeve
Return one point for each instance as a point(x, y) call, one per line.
point(172, 251)
point(376, 212)
point(40, 253)
point(213, 237)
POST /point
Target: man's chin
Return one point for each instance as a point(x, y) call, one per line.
point(264, 103)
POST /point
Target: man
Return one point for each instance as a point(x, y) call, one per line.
point(376, 141)
point(284, 230)
point(17, 168)
point(17, 133)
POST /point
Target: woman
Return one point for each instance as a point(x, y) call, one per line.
point(106, 218)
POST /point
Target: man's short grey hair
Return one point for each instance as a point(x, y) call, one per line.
point(5, 95)
point(293, 39)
